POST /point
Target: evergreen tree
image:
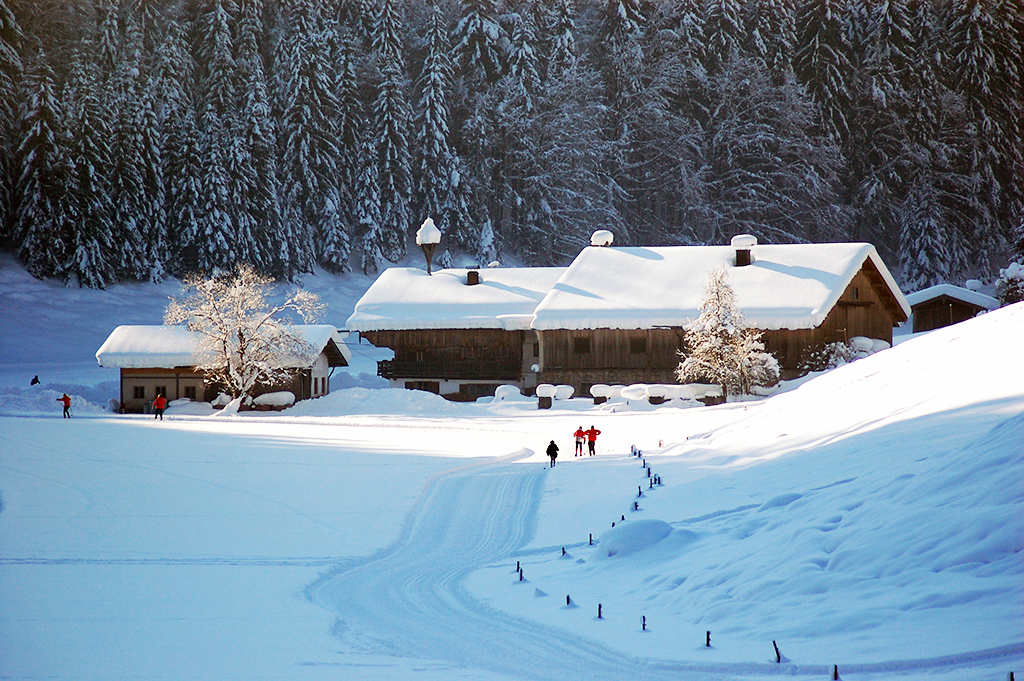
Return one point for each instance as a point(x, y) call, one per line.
point(90, 231)
point(822, 62)
point(771, 36)
point(724, 31)
point(39, 218)
point(477, 40)
point(368, 217)
point(391, 124)
point(11, 41)
point(924, 254)
point(560, 37)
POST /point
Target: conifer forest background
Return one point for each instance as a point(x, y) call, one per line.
point(146, 138)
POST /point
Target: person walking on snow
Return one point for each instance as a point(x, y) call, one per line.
point(592, 438)
point(159, 404)
point(580, 435)
point(553, 452)
point(67, 405)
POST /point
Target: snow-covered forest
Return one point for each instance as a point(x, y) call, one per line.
point(141, 138)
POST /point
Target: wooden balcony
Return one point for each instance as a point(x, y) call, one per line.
point(468, 369)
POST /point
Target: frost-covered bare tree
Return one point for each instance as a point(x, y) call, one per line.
point(721, 348)
point(244, 340)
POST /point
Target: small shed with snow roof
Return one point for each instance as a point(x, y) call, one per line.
point(945, 305)
point(458, 332)
point(162, 360)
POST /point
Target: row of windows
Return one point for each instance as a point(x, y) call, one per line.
point(139, 392)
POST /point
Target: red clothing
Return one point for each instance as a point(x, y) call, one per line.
point(159, 402)
point(592, 434)
point(66, 400)
point(579, 434)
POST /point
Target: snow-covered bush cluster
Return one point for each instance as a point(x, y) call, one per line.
point(832, 355)
point(1010, 284)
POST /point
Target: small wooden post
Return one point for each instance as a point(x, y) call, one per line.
point(639, 491)
point(636, 505)
point(652, 483)
point(520, 574)
point(835, 672)
point(778, 655)
point(599, 611)
point(591, 538)
point(518, 569)
point(707, 641)
point(1009, 677)
point(563, 550)
point(568, 601)
point(622, 518)
point(648, 472)
point(643, 622)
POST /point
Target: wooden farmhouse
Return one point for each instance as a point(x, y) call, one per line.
point(458, 333)
point(162, 359)
point(945, 305)
point(617, 315)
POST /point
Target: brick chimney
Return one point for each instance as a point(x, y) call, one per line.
point(743, 243)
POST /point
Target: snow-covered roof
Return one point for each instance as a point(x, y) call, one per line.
point(956, 292)
point(791, 286)
point(139, 347)
point(408, 298)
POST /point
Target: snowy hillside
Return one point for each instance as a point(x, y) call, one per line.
point(871, 519)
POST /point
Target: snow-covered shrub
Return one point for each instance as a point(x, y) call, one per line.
point(831, 355)
point(283, 398)
point(1010, 284)
point(545, 390)
point(506, 392)
point(601, 390)
point(564, 392)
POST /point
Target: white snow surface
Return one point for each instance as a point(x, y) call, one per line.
point(871, 518)
point(785, 287)
point(409, 298)
point(955, 292)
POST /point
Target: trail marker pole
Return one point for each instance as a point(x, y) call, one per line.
point(639, 491)
point(520, 574)
point(835, 672)
point(591, 538)
point(707, 641)
point(643, 622)
point(563, 550)
point(568, 601)
point(599, 611)
point(778, 655)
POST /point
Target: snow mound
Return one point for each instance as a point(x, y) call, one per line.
point(15, 401)
point(369, 401)
point(630, 537)
point(283, 398)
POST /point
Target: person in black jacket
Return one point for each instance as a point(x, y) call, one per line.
point(553, 452)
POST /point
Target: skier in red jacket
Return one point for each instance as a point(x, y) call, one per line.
point(66, 401)
point(580, 435)
point(592, 438)
point(159, 404)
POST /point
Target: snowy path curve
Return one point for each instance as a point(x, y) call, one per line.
point(409, 600)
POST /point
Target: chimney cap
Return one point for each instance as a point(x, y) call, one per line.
point(744, 241)
point(602, 237)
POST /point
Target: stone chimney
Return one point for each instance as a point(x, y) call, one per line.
point(743, 243)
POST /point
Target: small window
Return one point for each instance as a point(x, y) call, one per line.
point(420, 355)
point(637, 346)
point(139, 392)
point(856, 293)
point(536, 350)
point(190, 392)
point(581, 346)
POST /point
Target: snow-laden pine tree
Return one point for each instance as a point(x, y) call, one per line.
point(822, 61)
point(771, 35)
point(40, 211)
point(368, 221)
point(90, 225)
point(724, 32)
point(256, 190)
point(477, 39)
point(307, 130)
point(243, 339)
point(436, 160)
point(720, 348)
point(559, 37)
point(11, 42)
point(391, 125)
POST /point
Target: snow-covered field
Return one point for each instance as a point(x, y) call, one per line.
point(872, 519)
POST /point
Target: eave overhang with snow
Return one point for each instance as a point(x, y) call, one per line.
point(406, 298)
point(169, 347)
point(792, 286)
point(956, 292)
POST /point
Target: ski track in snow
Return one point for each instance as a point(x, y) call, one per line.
point(409, 600)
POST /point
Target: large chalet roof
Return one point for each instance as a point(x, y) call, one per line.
point(167, 347)
point(408, 298)
point(785, 286)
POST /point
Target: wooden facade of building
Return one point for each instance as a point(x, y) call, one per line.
point(461, 364)
point(585, 357)
point(943, 310)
